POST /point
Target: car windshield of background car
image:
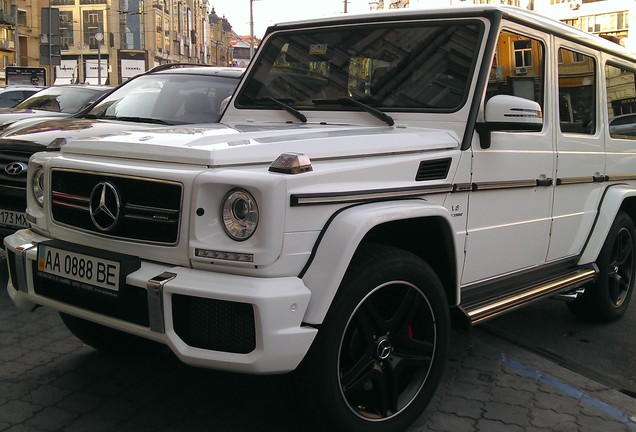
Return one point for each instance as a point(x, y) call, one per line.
point(63, 100)
point(167, 98)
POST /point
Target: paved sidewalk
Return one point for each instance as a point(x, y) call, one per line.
point(49, 381)
point(492, 385)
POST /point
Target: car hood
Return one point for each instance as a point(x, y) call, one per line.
point(220, 145)
point(9, 116)
point(44, 132)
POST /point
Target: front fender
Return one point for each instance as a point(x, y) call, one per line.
point(610, 205)
point(340, 240)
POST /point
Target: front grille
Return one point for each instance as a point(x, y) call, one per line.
point(13, 199)
point(130, 304)
point(149, 209)
point(214, 324)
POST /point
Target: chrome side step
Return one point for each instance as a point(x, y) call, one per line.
point(484, 309)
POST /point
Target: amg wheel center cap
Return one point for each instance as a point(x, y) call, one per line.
point(384, 349)
point(105, 206)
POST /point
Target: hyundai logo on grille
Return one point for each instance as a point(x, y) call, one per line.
point(15, 168)
point(105, 206)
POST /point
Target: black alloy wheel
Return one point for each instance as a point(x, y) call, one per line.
point(608, 297)
point(387, 351)
point(380, 352)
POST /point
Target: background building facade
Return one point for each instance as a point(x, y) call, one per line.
point(110, 41)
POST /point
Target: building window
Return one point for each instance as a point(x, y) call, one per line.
point(503, 2)
point(131, 24)
point(605, 22)
point(93, 21)
point(523, 53)
point(66, 29)
point(22, 19)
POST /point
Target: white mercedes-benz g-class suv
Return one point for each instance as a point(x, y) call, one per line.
point(373, 176)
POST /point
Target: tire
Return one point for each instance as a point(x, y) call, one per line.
point(608, 297)
point(109, 340)
point(380, 353)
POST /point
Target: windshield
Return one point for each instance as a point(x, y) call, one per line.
point(414, 66)
point(168, 99)
point(69, 100)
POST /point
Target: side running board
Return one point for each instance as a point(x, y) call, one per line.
point(484, 309)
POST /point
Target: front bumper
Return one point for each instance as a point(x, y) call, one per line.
point(211, 320)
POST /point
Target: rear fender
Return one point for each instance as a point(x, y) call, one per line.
point(340, 240)
point(612, 202)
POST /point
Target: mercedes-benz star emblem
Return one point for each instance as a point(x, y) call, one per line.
point(105, 206)
point(384, 349)
point(15, 168)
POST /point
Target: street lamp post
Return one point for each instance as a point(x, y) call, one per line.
point(98, 37)
point(252, 28)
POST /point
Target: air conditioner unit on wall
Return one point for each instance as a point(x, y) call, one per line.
point(521, 70)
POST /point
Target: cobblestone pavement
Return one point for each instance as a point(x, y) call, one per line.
point(49, 381)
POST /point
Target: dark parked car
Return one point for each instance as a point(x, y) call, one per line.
point(57, 101)
point(12, 95)
point(171, 94)
point(623, 126)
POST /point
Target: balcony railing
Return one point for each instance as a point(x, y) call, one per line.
point(6, 18)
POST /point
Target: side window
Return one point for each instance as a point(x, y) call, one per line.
point(620, 88)
point(577, 92)
point(518, 67)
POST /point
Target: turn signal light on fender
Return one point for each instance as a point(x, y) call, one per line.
point(291, 163)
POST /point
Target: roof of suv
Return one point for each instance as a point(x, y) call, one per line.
point(198, 69)
point(21, 87)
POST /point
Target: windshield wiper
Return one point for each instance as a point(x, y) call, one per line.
point(138, 120)
point(368, 108)
point(290, 109)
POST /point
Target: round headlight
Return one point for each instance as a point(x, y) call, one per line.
point(240, 214)
point(37, 185)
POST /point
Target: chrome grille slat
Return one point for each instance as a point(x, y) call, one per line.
point(71, 205)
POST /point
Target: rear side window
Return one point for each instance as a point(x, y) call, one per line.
point(577, 92)
point(620, 88)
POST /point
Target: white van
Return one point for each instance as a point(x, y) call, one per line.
point(372, 177)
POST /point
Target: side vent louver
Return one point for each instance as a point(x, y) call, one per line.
point(433, 169)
